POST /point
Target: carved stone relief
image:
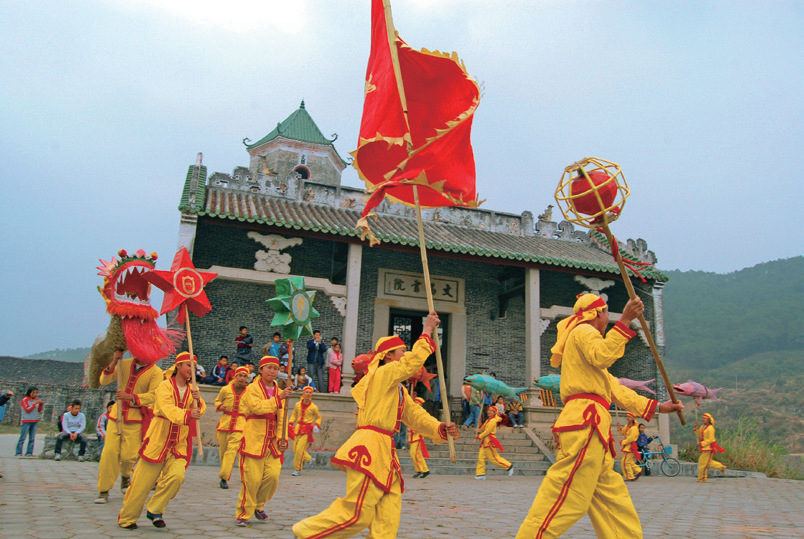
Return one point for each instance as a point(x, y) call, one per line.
point(272, 260)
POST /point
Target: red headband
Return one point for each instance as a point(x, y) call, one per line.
point(390, 343)
point(268, 360)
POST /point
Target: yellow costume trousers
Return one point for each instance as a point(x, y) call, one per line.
point(629, 466)
point(706, 461)
point(490, 454)
point(416, 455)
point(260, 478)
point(145, 477)
point(365, 505)
point(300, 454)
point(119, 454)
point(582, 481)
point(228, 445)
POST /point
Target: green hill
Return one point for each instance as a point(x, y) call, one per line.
point(741, 331)
point(67, 354)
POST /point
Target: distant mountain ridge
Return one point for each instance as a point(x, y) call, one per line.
point(67, 354)
point(743, 331)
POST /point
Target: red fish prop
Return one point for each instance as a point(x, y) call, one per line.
point(697, 391)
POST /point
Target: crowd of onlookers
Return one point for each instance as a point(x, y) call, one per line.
point(321, 370)
point(71, 424)
point(475, 403)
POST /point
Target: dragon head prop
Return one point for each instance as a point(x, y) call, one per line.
point(126, 293)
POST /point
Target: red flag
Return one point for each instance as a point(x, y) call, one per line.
point(432, 149)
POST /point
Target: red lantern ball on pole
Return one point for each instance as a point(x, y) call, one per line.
point(583, 192)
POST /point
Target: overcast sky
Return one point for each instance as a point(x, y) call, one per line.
point(105, 103)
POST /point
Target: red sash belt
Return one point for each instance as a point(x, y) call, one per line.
point(304, 428)
point(263, 416)
point(712, 447)
point(590, 396)
point(377, 429)
point(496, 443)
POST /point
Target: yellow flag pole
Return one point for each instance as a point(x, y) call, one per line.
point(389, 25)
point(193, 386)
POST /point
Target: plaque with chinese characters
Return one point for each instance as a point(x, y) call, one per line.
point(408, 285)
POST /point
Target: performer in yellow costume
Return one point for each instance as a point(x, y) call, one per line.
point(260, 450)
point(418, 449)
point(631, 471)
point(136, 395)
point(307, 420)
point(709, 447)
point(167, 447)
point(490, 446)
point(583, 481)
point(374, 483)
point(231, 423)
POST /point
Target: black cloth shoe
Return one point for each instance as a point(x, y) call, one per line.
point(156, 519)
point(417, 474)
point(224, 484)
point(423, 475)
point(130, 527)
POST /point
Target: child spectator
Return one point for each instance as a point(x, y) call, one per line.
point(100, 426)
point(200, 374)
point(500, 405)
point(245, 343)
point(73, 425)
point(272, 348)
point(230, 372)
point(515, 412)
point(301, 380)
point(334, 365)
point(30, 410)
point(218, 376)
point(643, 441)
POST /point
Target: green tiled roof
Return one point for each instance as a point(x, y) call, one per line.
point(295, 215)
point(298, 126)
point(184, 203)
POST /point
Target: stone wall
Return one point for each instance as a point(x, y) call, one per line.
point(57, 398)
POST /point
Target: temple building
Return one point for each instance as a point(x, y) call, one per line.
point(501, 281)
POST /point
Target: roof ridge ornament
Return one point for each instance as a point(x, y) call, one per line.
point(302, 104)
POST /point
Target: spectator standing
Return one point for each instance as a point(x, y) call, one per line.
point(245, 343)
point(272, 348)
point(475, 403)
point(334, 365)
point(316, 359)
point(100, 426)
point(73, 425)
point(30, 411)
point(466, 392)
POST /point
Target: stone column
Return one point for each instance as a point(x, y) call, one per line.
point(353, 266)
point(187, 227)
point(533, 332)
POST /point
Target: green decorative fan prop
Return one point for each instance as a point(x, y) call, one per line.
point(293, 308)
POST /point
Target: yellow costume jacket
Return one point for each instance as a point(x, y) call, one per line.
point(587, 388)
point(383, 405)
point(261, 411)
point(170, 427)
point(307, 417)
point(629, 442)
point(488, 433)
point(706, 439)
point(232, 419)
point(142, 384)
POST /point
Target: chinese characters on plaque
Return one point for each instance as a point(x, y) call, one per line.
point(412, 286)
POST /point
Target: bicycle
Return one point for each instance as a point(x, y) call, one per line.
point(669, 466)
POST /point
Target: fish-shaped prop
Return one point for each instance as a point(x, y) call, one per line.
point(489, 384)
point(551, 382)
point(423, 376)
point(634, 384)
point(360, 364)
point(697, 391)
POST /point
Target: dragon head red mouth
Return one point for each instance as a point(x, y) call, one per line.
point(125, 291)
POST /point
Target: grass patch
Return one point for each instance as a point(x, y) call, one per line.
point(746, 449)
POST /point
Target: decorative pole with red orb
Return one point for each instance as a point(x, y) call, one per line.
point(592, 193)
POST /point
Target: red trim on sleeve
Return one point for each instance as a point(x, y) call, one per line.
point(652, 407)
point(429, 339)
point(137, 400)
point(624, 330)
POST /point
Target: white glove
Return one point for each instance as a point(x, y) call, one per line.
point(316, 429)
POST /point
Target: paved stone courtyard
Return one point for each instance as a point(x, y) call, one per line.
point(48, 499)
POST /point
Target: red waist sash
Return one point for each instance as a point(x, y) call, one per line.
point(590, 396)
